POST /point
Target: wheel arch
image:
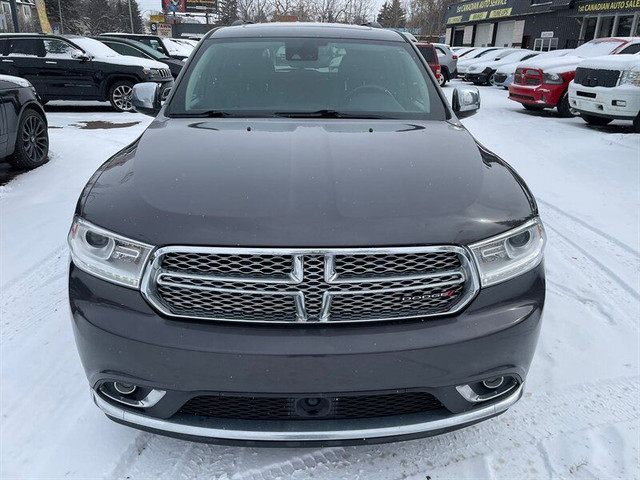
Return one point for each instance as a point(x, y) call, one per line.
point(116, 77)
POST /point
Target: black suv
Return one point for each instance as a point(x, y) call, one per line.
point(24, 140)
point(305, 246)
point(77, 68)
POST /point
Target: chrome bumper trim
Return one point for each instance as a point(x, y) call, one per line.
point(308, 431)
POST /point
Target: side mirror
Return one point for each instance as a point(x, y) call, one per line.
point(80, 55)
point(465, 101)
point(146, 98)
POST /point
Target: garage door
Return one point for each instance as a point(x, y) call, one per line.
point(483, 35)
point(504, 34)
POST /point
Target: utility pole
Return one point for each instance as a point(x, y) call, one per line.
point(60, 13)
point(14, 16)
point(131, 16)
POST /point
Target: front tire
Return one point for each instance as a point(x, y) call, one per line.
point(636, 124)
point(596, 121)
point(32, 142)
point(443, 78)
point(533, 108)
point(563, 107)
point(490, 79)
point(120, 96)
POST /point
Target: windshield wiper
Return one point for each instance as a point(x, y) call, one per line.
point(205, 114)
point(328, 113)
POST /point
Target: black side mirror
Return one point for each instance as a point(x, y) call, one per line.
point(79, 55)
point(146, 98)
point(465, 101)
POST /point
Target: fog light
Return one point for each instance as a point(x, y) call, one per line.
point(489, 389)
point(124, 388)
point(619, 103)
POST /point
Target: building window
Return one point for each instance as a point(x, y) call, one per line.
point(625, 22)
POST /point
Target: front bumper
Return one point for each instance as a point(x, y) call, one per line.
point(544, 95)
point(121, 338)
point(606, 102)
point(476, 77)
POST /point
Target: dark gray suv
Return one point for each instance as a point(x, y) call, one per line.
point(284, 257)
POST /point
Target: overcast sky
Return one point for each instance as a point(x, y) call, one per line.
point(156, 5)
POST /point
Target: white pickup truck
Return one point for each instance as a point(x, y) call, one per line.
point(607, 88)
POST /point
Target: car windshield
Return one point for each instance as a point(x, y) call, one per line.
point(94, 47)
point(596, 48)
point(428, 52)
point(312, 77)
point(515, 56)
point(150, 51)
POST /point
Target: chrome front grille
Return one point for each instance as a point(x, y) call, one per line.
point(283, 286)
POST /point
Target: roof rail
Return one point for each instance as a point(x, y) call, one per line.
point(240, 22)
point(371, 24)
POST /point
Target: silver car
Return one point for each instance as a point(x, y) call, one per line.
point(448, 63)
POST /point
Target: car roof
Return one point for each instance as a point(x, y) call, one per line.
point(306, 29)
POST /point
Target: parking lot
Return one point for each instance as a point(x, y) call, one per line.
point(579, 417)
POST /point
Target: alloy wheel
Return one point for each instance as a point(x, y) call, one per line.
point(122, 98)
point(34, 139)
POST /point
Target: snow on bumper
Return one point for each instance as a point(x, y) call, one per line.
point(617, 102)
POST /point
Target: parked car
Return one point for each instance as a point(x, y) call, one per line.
point(505, 73)
point(161, 44)
point(462, 51)
point(448, 61)
point(544, 83)
point(133, 48)
point(482, 72)
point(607, 88)
point(77, 68)
point(271, 262)
point(479, 54)
point(24, 139)
point(428, 52)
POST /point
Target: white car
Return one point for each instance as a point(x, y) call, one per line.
point(504, 74)
point(607, 88)
point(482, 72)
point(481, 55)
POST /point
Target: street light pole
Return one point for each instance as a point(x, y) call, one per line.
point(14, 16)
point(60, 13)
point(131, 16)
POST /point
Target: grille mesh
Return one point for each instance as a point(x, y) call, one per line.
point(309, 287)
point(283, 408)
point(592, 77)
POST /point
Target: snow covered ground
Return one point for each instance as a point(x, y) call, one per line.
point(578, 419)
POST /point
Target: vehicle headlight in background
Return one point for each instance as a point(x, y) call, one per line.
point(552, 78)
point(509, 254)
point(152, 72)
point(107, 255)
point(630, 77)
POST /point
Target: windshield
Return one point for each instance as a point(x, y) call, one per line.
point(596, 48)
point(314, 76)
point(515, 56)
point(150, 51)
point(94, 47)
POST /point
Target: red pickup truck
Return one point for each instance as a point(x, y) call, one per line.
point(543, 83)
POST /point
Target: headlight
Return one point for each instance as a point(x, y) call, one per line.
point(552, 78)
point(509, 254)
point(630, 77)
point(107, 255)
point(152, 72)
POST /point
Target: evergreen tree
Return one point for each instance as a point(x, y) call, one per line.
point(397, 15)
point(71, 15)
point(227, 11)
point(383, 15)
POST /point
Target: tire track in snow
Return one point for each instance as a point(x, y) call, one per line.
point(536, 419)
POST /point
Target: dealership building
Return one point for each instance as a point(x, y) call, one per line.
point(539, 24)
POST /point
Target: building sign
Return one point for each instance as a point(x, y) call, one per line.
point(45, 26)
point(156, 18)
point(181, 6)
point(164, 30)
point(546, 34)
point(479, 10)
point(596, 7)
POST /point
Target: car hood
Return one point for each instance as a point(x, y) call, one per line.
point(314, 183)
point(130, 61)
point(613, 62)
point(567, 63)
point(508, 68)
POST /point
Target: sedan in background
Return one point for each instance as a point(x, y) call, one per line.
point(479, 54)
point(133, 48)
point(24, 140)
point(482, 72)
